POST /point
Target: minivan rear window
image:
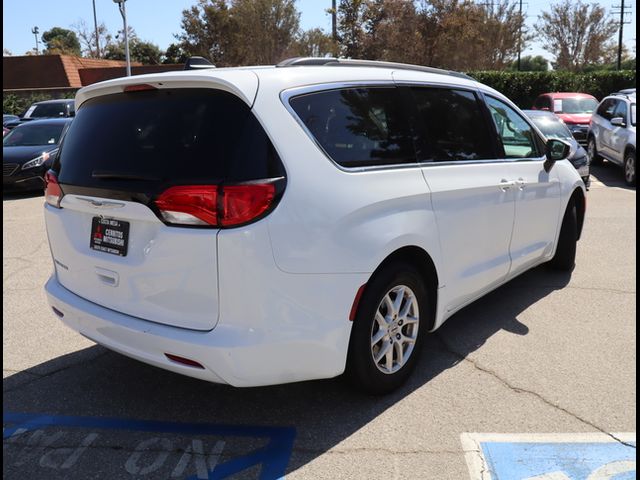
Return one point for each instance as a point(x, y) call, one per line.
point(358, 126)
point(146, 141)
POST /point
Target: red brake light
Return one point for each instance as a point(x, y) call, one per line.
point(214, 205)
point(53, 192)
point(139, 87)
point(243, 203)
point(190, 205)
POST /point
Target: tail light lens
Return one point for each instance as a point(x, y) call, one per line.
point(53, 192)
point(243, 203)
point(216, 205)
point(190, 205)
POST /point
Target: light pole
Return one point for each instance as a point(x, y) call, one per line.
point(35, 31)
point(95, 24)
point(123, 12)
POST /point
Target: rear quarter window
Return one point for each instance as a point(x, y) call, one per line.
point(358, 127)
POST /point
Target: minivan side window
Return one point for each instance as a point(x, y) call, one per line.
point(454, 124)
point(360, 126)
point(516, 135)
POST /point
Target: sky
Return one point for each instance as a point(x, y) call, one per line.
point(158, 21)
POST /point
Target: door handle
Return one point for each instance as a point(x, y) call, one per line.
point(506, 185)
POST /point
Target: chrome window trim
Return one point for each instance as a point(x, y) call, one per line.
point(289, 93)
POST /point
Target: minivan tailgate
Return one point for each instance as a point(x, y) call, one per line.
point(169, 274)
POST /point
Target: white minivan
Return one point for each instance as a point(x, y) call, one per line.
point(263, 225)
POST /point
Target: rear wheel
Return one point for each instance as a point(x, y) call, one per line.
point(389, 329)
point(630, 168)
point(565, 257)
point(592, 152)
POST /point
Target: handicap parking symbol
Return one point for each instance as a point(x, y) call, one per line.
point(590, 456)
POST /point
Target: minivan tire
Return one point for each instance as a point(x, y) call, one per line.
point(362, 370)
point(565, 256)
point(592, 152)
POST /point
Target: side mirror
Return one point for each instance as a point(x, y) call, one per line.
point(618, 122)
point(555, 150)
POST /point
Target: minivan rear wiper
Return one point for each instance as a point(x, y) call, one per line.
point(114, 175)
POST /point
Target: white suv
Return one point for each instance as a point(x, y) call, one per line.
point(263, 225)
point(612, 133)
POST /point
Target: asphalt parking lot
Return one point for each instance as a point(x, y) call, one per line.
point(547, 353)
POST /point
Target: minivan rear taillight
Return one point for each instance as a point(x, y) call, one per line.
point(52, 193)
point(216, 205)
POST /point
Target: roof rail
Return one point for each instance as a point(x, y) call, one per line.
point(198, 63)
point(344, 62)
point(626, 94)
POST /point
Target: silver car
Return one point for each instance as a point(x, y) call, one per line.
point(612, 133)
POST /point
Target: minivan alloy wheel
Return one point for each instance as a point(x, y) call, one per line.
point(395, 329)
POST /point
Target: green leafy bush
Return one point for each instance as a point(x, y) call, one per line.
point(523, 87)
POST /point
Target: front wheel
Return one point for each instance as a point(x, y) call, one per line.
point(592, 152)
point(389, 329)
point(565, 257)
point(630, 169)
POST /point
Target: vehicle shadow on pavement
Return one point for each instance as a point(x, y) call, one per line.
point(9, 195)
point(97, 382)
point(609, 174)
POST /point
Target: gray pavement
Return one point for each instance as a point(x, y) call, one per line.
point(546, 353)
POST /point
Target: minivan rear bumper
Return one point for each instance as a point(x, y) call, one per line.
point(226, 353)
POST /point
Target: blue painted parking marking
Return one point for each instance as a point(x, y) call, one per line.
point(273, 457)
point(550, 456)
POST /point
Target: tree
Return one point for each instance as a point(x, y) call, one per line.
point(61, 41)
point(532, 64)
point(141, 51)
point(464, 35)
point(265, 30)
point(350, 32)
point(87, 37)
point(576, 34)
point(315, 43)
point(6, 52)
point(207, 31)
point(501, 33)
point(240, 32)
point(391, 31)
point(175, 54)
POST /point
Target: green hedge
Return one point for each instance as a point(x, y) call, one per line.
point(523, 87)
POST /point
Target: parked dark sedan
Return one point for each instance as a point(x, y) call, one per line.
point(6, 117)
point(552, 126)
point(59, 108)
point(28, 150)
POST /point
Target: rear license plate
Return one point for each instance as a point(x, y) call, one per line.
point(109, 235)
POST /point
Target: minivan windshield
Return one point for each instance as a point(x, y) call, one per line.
point(32, 135)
